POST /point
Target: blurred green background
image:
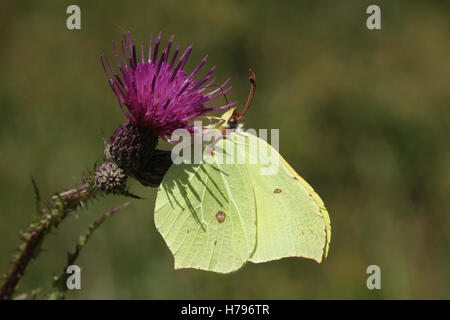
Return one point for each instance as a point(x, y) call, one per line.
point(363, 115)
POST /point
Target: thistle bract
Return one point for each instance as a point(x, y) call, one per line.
point(131, 147)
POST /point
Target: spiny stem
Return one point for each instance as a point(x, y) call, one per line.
point(50, 217)
point(37, 194)
point(29, 295)
point(82, 241)
point(59, 283)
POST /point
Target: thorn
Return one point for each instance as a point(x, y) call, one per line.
point(127, 193)
point(37, 194)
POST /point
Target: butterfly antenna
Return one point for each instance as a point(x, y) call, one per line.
point(251, 94)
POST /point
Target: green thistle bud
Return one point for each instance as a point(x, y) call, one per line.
point(110, 178)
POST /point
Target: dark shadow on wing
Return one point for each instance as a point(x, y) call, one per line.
point(182, 182)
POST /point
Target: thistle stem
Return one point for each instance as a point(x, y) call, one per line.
point(59, 283)
point(50, 217)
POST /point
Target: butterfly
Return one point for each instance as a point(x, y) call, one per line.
point(216, 216)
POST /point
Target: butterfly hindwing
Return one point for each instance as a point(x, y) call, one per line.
point(291, 218)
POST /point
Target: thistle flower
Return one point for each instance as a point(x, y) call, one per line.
point(157, 93)
point(157, 96)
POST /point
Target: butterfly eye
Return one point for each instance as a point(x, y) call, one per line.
point(232, 123)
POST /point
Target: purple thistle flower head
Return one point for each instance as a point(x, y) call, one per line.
point(157, 93)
